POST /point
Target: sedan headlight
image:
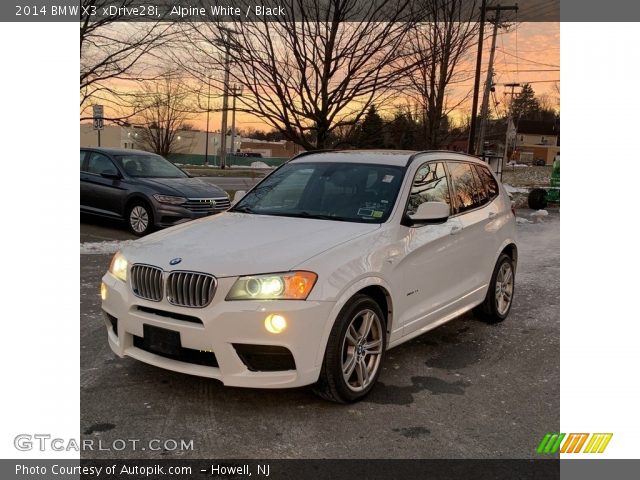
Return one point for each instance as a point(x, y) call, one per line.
point(277, 286)
point(170, 199)
point(118, 267)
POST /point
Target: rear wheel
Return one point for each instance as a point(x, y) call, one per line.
point(497, 303)
point(353, 358)
point(139, 218)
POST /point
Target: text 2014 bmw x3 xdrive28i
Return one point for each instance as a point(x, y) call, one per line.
point(316, 272)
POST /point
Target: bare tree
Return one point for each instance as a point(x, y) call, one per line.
point(165, 108)
point(317, 68)
point(111, 51)
point(439, 47)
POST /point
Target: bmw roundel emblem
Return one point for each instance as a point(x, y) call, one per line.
point(175, 261)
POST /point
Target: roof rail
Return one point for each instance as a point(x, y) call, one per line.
point(411, 158)
point(309, 152)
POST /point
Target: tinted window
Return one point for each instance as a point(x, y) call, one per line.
point(483, 197)
point(429, 185)
point(99, 164)
point(489, 182)
point(149, 166)
point(354, 192)
point(466, 191)
point(83, 155)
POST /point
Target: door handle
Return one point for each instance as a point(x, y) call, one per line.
point(456, 229)
point(392, 256)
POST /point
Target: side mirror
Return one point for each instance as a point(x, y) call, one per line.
point(430, 212)
point(238, 196)
point(111, 175)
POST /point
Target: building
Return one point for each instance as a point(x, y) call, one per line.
point(191, 145)
point(537, 141)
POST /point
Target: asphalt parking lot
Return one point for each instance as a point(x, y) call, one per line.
point(463, 390)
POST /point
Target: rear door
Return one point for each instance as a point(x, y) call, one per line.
point(474, 212)
point(98, 194)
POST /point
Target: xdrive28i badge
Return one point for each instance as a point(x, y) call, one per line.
point(175, 261)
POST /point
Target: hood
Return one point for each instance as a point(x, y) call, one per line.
point(183, 187)
point(234, 244)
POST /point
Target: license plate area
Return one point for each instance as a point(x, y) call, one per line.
point(161, 340)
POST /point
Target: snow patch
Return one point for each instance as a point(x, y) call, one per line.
point(512, 189)
point(539, 213)
point(102, 248)
point(522, 220)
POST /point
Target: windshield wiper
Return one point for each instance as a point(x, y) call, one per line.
point(315, 216)
point(243, 209)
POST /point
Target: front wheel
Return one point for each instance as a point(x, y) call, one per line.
point(353, 358)
point(497, 303)
point(139, 218)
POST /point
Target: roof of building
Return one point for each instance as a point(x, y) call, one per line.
point(536, 127)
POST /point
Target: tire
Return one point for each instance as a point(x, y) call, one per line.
point(494, 309)
point(350, 351)
point(139, 218)
point(537, 199)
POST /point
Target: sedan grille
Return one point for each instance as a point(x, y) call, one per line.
point(190, 289)
point(207, 204)
point(146, 282)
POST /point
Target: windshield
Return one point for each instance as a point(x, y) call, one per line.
point(149, 165)
point(353, 192)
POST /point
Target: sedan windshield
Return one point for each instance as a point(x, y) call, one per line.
point(353, 192)
point(149, 165)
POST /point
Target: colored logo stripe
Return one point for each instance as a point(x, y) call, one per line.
point(552, 442)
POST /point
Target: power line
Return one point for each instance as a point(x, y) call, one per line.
point(530, 61)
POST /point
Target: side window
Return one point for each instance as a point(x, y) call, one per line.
point(465, 190)
point(99, 164)
point(483, 197)
point(490, 184)
point(429, 185)
point(83, 155)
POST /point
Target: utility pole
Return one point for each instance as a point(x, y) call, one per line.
point(489, 82)
point(206, 144)
point(471, 144)
point(237, 92)
point(225, 106)
point(507, 140)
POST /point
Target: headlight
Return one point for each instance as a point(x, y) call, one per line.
point(171, 200)
point(277, 286)
point(118, 267)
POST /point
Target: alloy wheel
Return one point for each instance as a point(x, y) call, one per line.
point(362, 350)
point(139, 219)
point(504, 288)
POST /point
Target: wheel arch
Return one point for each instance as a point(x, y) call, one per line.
point(374, 287)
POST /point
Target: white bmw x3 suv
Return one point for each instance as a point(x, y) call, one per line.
point(317, 271)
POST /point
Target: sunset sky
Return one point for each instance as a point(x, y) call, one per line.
point(528, 53)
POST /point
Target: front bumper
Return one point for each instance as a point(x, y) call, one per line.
point(170, 215)
point(223, 326)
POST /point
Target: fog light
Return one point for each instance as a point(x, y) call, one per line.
point(103, 291)
point(275, 323)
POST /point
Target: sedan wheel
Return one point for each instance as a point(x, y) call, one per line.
point(139, 219)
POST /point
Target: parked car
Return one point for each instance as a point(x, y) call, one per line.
point(327, 263)
point(143, 189)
